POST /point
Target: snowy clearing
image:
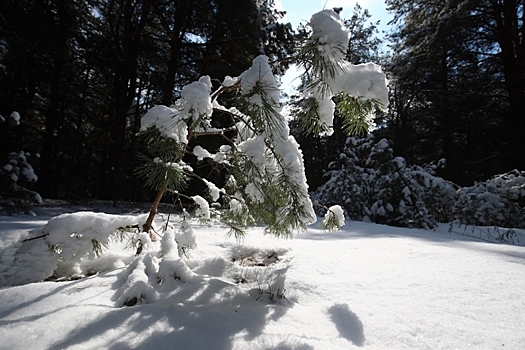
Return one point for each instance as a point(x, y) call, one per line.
point(368, 286)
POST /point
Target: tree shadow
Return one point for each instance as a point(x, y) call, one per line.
point(36, 299)
point(347, 323)
point(194, 315)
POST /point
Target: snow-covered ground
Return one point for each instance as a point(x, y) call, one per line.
point(370, 286)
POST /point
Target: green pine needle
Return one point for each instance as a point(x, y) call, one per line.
point(356, 113)
point(309, 120)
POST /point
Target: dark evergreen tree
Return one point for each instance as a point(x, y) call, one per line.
point(82, 73)
point(364, 45)
point(450, 94)
point(43, 80)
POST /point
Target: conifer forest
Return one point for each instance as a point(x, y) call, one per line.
point(78, 76)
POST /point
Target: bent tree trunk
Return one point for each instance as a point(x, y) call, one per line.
point(153, 211)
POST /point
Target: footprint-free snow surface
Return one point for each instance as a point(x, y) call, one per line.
point(368, 286)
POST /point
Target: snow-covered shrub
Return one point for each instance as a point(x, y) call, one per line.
point(18, 167)
point(70, 244)
point(349, 180)
point(373, 185)
point(410, 196)
point(16, 176)
point(499, 201)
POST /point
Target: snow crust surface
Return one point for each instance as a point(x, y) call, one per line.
point(367, 286)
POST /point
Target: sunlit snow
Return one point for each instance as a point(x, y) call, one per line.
point(369, 286)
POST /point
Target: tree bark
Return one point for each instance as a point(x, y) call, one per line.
point(510, 37)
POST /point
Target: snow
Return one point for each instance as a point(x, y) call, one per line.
point(326, 110)
point(260, 73)
point(29, 172)
point(229, 81)
point(185, 238)
point(196, 100)
point(336, 212)
point(203, 210)
point(16, 117)
point(167, 120)
point(254, 148)
point(365, 80)
point(215, 192)
point(369, 286)
point(330, 33)
point(201, 153)
point(135, 282)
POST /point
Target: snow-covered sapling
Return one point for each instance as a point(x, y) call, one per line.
point(16, 175)
point(334, 218)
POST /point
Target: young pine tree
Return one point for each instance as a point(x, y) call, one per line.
point(266, 182)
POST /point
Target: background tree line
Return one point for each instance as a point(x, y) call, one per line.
point(457, 87)
point(81, 73)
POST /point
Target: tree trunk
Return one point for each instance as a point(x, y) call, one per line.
point(153, 211)
point(510, 37)
point(180, 21)
point(127, 42)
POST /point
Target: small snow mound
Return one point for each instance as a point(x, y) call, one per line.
point(137, 286)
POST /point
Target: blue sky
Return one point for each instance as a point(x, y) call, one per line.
point(300, 10)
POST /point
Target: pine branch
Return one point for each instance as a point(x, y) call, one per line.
point(223, 89)
point(37, 237)
point(217, 132)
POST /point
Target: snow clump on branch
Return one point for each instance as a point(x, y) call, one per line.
point(194, 104)
point(330, 33)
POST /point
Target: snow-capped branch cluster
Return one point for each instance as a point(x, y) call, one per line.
point(68, 245)
point(330, 75)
